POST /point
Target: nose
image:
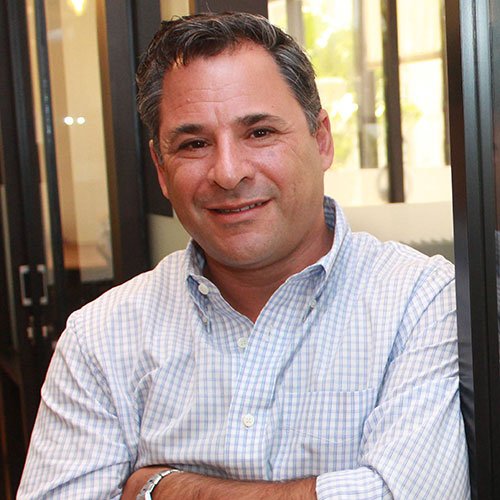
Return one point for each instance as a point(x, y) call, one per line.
point(230, 165)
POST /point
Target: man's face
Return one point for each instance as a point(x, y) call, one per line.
point(239, 164)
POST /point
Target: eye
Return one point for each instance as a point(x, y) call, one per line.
point(194, 144)
point(261, 132)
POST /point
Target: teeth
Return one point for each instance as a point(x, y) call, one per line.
point(237, 210)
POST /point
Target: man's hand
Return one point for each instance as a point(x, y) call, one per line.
point(189, 486)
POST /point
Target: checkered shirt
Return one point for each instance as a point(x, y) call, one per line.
point(349, 374)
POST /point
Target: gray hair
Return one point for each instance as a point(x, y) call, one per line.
point(183, 39)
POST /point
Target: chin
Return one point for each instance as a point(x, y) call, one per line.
point(238, 259)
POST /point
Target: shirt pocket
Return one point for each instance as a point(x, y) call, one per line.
point(320, 431)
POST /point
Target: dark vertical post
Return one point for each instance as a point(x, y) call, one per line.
point(56, 237)
point(147, 16)
point(392, 100)
point(471, 140)
point(23, 192)
point(123, 148)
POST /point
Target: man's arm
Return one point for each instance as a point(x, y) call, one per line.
point(189, 486)
point(77, 447)
point(413, 443)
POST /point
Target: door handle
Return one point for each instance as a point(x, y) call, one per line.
point(42, 269)
point(24, 271)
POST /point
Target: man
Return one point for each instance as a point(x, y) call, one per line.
point(281, 355)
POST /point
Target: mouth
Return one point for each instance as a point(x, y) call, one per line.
point(239, 209)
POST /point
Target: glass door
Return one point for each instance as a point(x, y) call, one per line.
point(62, 138)
point(69, 125)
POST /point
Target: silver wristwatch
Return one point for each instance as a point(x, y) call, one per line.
point(152, 483)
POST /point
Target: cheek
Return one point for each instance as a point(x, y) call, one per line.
point(183, 180)
point(293, 168)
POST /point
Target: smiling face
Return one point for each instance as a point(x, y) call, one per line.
point(239, 164)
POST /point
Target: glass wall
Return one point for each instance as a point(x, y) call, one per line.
point(344, 39)
point(77, 118)
point(71, 143)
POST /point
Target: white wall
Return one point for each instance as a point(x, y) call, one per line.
point(166, 235)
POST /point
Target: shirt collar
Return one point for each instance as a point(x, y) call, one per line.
point(336, 221)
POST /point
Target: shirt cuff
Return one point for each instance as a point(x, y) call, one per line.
point(358, 483)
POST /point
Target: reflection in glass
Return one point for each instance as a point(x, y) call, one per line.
point(79, 138)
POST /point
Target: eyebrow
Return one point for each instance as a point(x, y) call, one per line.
point(252, 119)
point(185, 128)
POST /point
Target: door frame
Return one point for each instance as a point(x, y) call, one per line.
point(473, 181)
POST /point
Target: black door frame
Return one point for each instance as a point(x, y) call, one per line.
point(25, 348)
point(471, 138)
point(22, 345)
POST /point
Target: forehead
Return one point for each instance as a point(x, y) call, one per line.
point(242, 51)
point(244, 79)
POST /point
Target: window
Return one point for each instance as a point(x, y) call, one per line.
point(344, 41)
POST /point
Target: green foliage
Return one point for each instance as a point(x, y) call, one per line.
point(335, 55)
point(332, 55)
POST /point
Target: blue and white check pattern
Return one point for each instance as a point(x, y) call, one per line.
point(349, 374)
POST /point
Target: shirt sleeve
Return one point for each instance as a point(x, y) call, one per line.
point(413, 443)
point(77, 448)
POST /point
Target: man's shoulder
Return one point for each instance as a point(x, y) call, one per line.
point(392, 263)
point(364, 253)
point(164, 277)
point(135, 301)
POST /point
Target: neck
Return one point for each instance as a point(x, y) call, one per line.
point(248, 290)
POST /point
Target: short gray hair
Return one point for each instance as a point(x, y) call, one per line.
point(183, 39)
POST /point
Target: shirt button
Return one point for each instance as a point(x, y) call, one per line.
point(203, 289)
point(313, 303)
point(242, 342)
point(248, 420)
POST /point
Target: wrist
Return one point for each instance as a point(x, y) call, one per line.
point(151, 484)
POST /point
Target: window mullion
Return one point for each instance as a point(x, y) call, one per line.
point(392, 100)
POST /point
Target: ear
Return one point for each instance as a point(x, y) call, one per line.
point(159, 169)
point(324, 139)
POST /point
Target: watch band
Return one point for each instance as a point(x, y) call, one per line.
point(152, 483)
